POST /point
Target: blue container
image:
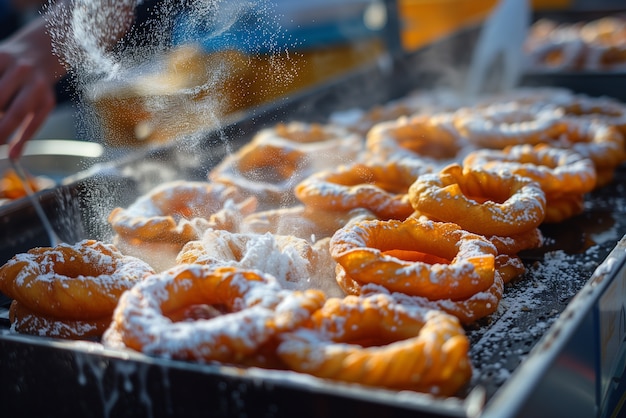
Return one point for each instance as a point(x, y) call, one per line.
point(251, 28)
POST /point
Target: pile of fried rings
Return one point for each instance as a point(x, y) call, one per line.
point(12, 188)
point(596, 45)
point(313, 249)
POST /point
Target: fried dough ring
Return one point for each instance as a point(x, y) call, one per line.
point(564, 54)
point(480, 201)
point(564, 175)
point(302, 221)
point(607, 34)
point(419, 101)
point(257, 309)
point(269, 172)
point(510, 267)
point(470, 310)
point(288, 258)
point(507, 263)
point(601, 143)
point(26, 321)
point(297, 263)
point(180, 211)
point(430, 137)
point(596, 45)
point(604, 110)
point(12, 187)
point(557, 170)
point(564, 207)
point(327, 145)
point(362, 249)
point(511, 245)
point(503, 124)
point(379, 188)
point(376, 341)
point(79, 282)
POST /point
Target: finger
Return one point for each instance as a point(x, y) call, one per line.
point(36, 99)
point(9, 123)
point(32, 123)
point(30, 126)
point(11, 82)
point(16, 146)
point(17, 141)
point(6, 60)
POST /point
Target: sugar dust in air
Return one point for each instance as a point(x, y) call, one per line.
point(187, 65)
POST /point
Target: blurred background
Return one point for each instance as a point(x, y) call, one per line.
point(248, 56)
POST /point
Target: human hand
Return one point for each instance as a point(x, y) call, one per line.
point(28, 73)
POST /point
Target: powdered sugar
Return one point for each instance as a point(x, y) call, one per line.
point(178, 211)
point(287, 258)
point(72, 282)
point(257, 306)
point(523, 316)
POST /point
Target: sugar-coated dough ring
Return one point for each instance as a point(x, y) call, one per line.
point(596, 45)
point(297, 263)
point(601, 143)
point(504, 124)
point(480, 201)
point(380, 188)
point(302, 221)
point(430, 137)
point(369, 251)
point(509, 267)
point(528, 97)
point(564, 207)
point(288, 258)
point(561, 54)
point(511, 245)
point(12, 187)
point(159, 255)
point(362, 120)
point(419, 101)
point(604, 110)
point(557, 170)
point(26, 321)
point(269, 172)
point(470, 310)
point(82, 281)
point(257, 309)
point(327, 145)
point(375, 340)
point(180, 211)
point(606, 37)
point(563, 174)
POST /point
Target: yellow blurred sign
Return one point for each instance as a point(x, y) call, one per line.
point(425, 21)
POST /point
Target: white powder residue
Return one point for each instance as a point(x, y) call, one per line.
point(287, 258)
point(523, 315)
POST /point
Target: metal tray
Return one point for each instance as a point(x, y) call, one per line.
point(543, 340)
point(56, 158)
point(594, 83)
point(123, 384)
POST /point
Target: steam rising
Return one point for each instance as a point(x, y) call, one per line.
point(82, 32)
point(102, 43)
point(126, 44)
